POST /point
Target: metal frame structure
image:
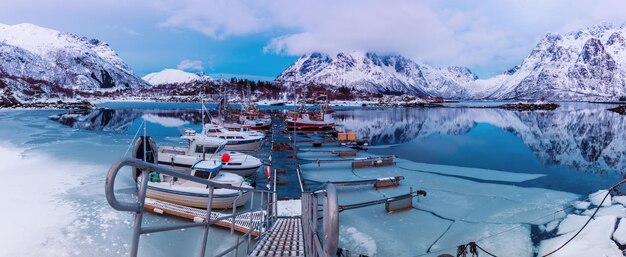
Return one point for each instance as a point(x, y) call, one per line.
point(267, 206)
point(326, 245)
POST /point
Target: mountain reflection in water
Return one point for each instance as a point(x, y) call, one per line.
point(585, 137)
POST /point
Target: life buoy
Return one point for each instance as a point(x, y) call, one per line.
point(225, 157)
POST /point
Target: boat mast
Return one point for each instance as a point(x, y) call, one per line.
point(145, 141)
point(202, 110)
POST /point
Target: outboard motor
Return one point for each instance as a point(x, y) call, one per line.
point(138, 153)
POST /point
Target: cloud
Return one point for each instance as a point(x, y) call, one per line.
point(130, 31)
point(193, 65)
point(490, 34)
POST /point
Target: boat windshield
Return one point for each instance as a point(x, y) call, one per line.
point(207, 149)
point(204, 174)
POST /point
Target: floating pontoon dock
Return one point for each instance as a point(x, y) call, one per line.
point(285, 238)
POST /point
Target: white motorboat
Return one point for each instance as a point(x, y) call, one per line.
point(202, 147)
point(236, 140)
point(193, 194)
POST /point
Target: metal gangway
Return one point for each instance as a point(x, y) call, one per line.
point(274, 235)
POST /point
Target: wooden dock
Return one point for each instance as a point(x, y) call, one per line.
point(285, 238)
point(243, 222)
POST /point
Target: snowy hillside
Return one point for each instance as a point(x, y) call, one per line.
point(374, 73)
point(173, 76)
point(580, 65)
point(39, 63)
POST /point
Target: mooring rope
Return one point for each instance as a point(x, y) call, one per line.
point(132, 142)
point(569, 206)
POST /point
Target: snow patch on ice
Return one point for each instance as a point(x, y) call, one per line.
point(289, 208)
point(362, 243)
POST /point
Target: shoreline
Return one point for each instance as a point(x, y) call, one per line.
point(87, 104)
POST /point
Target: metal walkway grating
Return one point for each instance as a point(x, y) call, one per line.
point(285, 238)
point(243, 222)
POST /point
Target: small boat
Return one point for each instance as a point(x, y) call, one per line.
point(255, 121)
point(304, 121)
point(202, 147)
point(193, 194)
point(236, 140)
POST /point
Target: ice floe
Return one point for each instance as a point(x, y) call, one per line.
point(581, 205)
point(620, 233)
point(594, 240)
point(596, 198)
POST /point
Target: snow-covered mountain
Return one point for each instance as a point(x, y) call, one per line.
point(38, 63)
point(585, 64)
point(173, 76)
point(376, 73)
point(581, 65)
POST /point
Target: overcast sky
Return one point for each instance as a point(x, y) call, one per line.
point(261, 38)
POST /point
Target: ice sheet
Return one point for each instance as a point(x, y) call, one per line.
point(483, 174)
point(35, 213)
point(462, 204)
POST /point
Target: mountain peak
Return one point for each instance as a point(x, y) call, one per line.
point(373, 72)
point(32, 56)
point(173, 76)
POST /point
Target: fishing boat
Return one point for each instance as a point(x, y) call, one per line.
point(202, 147)
point(236, 140)
point(305, 121)
point(193, 194)
point(247, 118)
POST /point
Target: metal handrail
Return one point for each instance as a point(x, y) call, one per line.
point(267, 206)
point(310, 199)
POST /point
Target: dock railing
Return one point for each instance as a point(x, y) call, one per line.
point(325, 245)
point(267, 206)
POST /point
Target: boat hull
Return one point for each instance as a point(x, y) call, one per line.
point(310, 126)
point(220, 200)
point(244, 172)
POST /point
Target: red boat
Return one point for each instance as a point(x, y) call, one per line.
point(310, 121)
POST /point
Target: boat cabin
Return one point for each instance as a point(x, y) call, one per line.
point(200, 144)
